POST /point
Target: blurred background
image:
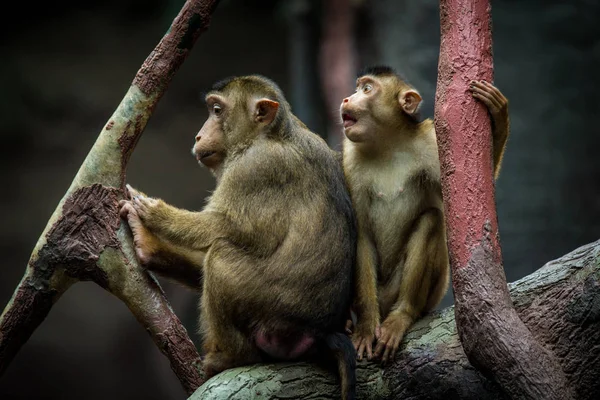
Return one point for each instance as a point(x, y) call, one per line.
point(66, 65)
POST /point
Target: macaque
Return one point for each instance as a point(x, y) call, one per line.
point(276, 242)
point(392, 170)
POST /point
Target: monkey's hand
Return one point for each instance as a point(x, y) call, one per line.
point(145, 207)
point(363, 339)
point(493, 99)
point(144, 241)
point(392, 332)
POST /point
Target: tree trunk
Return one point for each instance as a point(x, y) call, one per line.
point(495, 340)
point(85, 240)
point(559, 304)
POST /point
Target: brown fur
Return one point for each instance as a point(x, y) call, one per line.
point(392, 169)
point(278, 234)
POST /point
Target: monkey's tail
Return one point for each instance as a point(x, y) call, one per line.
point(342, 350)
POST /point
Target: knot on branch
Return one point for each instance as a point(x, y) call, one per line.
point(88, 224)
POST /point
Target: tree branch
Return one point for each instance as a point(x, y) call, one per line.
point(559, 304)
point(85, 240)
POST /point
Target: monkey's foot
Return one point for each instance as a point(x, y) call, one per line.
point(392, 332)
point(363, 344)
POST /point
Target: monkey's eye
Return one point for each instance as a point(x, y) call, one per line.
point(367, 88)
point(217, 109)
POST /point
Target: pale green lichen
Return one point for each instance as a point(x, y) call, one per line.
point(103, 163)
point(241, 383)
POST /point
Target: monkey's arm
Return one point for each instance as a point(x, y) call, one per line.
point(497, 106)
point(192, 230)
point(421, 284)
point(365, 301)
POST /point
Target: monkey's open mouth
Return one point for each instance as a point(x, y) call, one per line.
point(348, 120)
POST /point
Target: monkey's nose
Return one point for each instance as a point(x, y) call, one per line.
point(346, 100)
point(198, 137)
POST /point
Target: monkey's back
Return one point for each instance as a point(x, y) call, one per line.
point(295, 231)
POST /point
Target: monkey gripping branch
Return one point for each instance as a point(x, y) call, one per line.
point(517, 348)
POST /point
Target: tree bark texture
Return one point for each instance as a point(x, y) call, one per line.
point(494, 338)
point(85, 240)
point(559, 304)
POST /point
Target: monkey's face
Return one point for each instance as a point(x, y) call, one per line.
point(210, 148)
point(366, 112)
point(378, 107)
point(233, 122)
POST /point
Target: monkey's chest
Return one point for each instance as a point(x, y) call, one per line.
point(389, 216)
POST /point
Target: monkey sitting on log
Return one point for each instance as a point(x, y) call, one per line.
point(275, 244)
point(392, 170)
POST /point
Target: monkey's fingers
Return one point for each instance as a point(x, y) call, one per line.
point(486, 98)
point(131, 191)
point(126, 208)
point(386, 347)
point(383, 338)
point(362, 344)
point(497, 93)
point(491, 96)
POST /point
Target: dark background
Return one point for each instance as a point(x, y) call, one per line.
point(66, 65)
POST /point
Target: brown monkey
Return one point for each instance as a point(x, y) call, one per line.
point(392, 169)
point(278, 234)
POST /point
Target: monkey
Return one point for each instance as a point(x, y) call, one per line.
point(392, 169)
point(275, 242)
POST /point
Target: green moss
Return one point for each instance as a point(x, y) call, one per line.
point(241, 383)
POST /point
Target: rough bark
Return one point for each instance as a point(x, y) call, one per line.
point(559, 304)
point(495, 339)
point(85, 240)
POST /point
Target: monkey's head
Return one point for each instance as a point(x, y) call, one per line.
point(239, 110)
point(382, 104)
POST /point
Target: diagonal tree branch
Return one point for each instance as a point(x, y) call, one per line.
point(85, 240)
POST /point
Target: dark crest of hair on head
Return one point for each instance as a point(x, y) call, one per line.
point(255, 83)
point(377, 70)
point(382, 70)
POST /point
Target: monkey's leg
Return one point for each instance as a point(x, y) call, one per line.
point(222, 296)
point(224, 345)
point(420, 274)
point(365, 302)
point(178, 263)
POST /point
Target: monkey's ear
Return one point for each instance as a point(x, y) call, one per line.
point(265, 111)
point(409, 101)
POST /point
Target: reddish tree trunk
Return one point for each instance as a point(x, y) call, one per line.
point(494, 338)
